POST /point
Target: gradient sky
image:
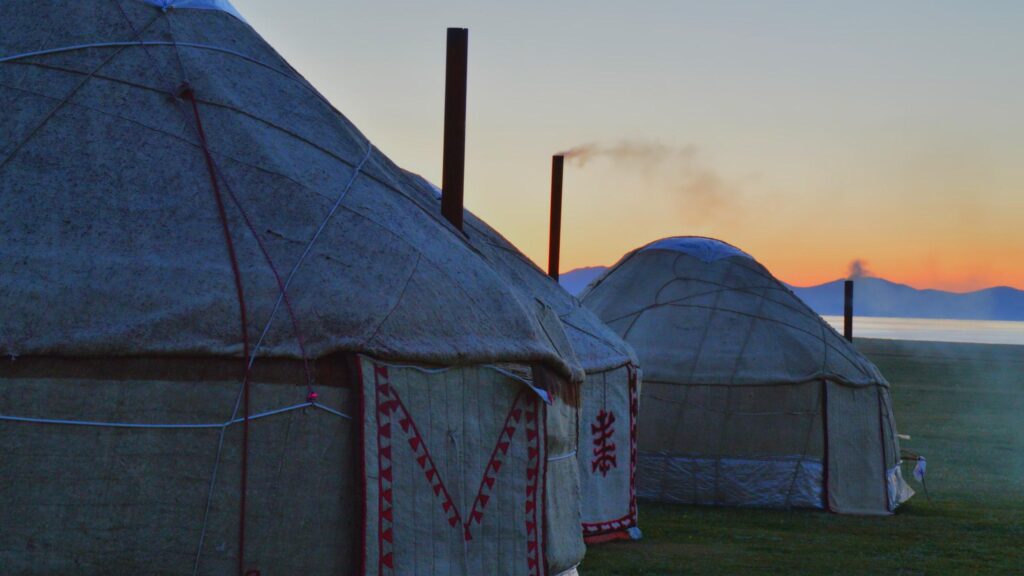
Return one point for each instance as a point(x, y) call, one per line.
point(807, 133)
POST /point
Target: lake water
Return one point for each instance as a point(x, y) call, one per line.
point(979, 331)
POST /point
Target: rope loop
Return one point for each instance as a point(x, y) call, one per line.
point(185, 92)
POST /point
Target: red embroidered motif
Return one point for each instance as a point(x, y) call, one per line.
point(604, 449)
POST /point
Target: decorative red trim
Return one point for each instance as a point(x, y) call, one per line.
point(598, 528)
point(534, 555)
point(357, 366)
point(494, 464)
point(385, 511)
point(609, 537)
point(424, 459)
point(542, 532)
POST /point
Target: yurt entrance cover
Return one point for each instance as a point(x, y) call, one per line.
point(750, 398)
point(228, 324)
point(609, 400)
point(455, 465)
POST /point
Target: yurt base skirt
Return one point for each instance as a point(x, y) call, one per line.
point(793, 482)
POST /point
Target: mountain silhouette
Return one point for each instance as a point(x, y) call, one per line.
point(879, 297)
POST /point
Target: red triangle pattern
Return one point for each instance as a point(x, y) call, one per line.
point(385, 498)
point(533, 467)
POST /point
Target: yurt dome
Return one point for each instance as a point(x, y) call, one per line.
point(750, 397)
point(236, 340)
point(102, 142)
point(610, 395)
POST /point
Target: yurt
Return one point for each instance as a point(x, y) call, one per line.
point(233, 340)
point(609, 399)
point(750, 398)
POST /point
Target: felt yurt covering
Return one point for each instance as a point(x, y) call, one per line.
point(609, 399)
point(189, 234)
point(750, 398)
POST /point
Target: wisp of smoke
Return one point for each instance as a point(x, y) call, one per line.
point(624, 151)
point(675, 168)
point(858, 269)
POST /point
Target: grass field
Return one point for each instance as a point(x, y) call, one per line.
point(963, 405)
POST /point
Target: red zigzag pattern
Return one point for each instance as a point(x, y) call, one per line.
point(385, 476)
point(532, 481)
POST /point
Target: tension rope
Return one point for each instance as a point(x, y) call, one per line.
point(188, 94)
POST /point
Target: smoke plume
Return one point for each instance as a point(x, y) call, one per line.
point(625, 151)
point(679, 169)
point(858, 269)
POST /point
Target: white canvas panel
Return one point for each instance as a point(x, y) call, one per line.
point(563, 542)
point(857, 482)
point(607, 457)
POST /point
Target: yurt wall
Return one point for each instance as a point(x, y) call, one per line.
point(133, 466)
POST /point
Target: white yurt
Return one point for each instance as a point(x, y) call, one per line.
point(609, 399)
point(233, 339)
point(750, 398)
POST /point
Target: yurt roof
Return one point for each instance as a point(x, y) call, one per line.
point(222, 5)
point(111, 240)
point(704, 249)
point(595, 345)
point(700, 311)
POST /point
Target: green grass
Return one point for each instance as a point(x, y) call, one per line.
point(963, 405)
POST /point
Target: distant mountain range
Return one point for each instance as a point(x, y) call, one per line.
point(879, 297)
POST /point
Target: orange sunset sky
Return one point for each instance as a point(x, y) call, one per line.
point(807, 134)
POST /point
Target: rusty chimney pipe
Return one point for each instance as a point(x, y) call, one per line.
point(555, 237)
point(848, 310)
point(453, 173)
